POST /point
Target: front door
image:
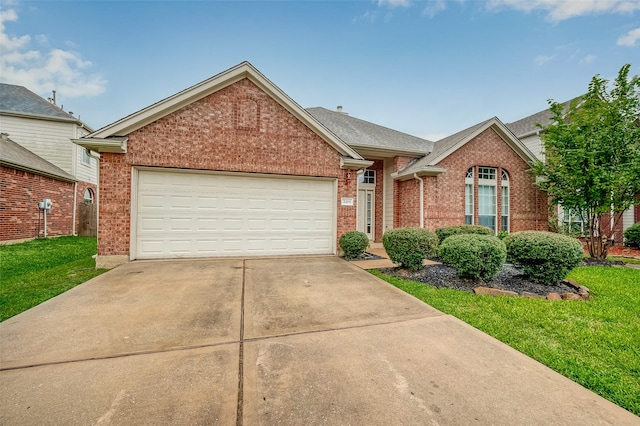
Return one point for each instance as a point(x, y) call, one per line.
point(366, 211)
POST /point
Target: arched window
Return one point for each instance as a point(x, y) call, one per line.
point(468, 197)
point(483, 199)
point(505, 201)
point(88, 196)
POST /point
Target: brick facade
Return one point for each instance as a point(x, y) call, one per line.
point(20, 193)
point(444, 194)
point(238, 128)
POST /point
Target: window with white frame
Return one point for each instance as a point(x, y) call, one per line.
point(468, 197)
point(487, 197)
point(484, 198)
point(504, 226)
point(86, 158)
point(367, 177)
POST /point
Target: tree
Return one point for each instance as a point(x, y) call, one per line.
point(592, 156)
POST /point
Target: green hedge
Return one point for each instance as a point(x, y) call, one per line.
point(409, 246)
point(477, 256)
point(448, 231)
point(632, 236)
point(545, 257)
point(354, 243)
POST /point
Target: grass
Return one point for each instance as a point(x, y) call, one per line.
point(594, 343)
point(38, 270)
point(625, 259)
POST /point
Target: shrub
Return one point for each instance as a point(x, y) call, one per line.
point(545, 257)
point(354, 243)
point(448, 231)
point(476, 256)
point(409, 246)
point(632, 236)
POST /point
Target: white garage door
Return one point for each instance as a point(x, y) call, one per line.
point(182, 214)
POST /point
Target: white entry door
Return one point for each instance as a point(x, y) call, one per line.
point(187, 214)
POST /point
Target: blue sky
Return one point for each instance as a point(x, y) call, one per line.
point(428, 68)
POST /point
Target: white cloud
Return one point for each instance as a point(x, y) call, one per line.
point(393, 3)
point(62, 70)
point(630, 38)
point(542, 59)
point(559, 10)
point(589, 59)
point(434, 7)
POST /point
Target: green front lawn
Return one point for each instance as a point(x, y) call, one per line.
point(38, 270)
point(595, 343)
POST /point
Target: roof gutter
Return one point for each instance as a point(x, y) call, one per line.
point(39, 172)
point(354, 164)
point(116, 145)
point(423, 171)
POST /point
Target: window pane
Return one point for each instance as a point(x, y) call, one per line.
point(468, 200)
point(468, 220)
point(487, 173)
point(489, 221)
point(486, 200)
point(505, 223)
point(505, 201)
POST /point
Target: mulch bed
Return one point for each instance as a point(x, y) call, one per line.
point(509, 278)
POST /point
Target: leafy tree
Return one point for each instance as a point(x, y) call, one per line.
point(592, 155)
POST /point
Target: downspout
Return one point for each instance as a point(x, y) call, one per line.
point(75, 207)
point(415, 176)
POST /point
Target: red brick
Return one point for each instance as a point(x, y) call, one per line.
point(238, 128)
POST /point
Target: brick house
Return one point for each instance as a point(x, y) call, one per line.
point(46, 130)
point(25, 180)
point(234, 167)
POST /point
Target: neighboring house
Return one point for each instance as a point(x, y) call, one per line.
point(25, 180)
point(528, 131)
point(46, 130)
point(232, 166)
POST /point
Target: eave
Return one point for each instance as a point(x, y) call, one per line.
point(369, 151)
point(38, 172)
point(423, 171)
point(354, 164)
point(116, 145)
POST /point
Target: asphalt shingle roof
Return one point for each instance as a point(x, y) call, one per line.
point(19, 99)
point(358, 133)
point(528, 125)
point(16, 156)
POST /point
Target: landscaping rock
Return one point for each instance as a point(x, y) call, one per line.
point(494, 292)
point(528, 295)
point(553, 296)
point(571, 296)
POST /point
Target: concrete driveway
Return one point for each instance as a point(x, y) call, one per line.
point(292, 341)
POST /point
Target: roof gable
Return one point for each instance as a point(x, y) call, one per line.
point(445, 147)
point(18, 157)
point(139, 119)
point(366, 136)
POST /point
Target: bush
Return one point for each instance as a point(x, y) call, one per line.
point(354, 243)
point(409, 246)
point(632, 236)
point(476, 256)
point(448, 231)
point(545, 257)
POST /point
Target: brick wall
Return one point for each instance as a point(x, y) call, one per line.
point(20, 193)
point(80, 190)
point(238, 128)
point(444, 194)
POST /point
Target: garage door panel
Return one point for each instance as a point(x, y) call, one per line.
point(192, 215)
